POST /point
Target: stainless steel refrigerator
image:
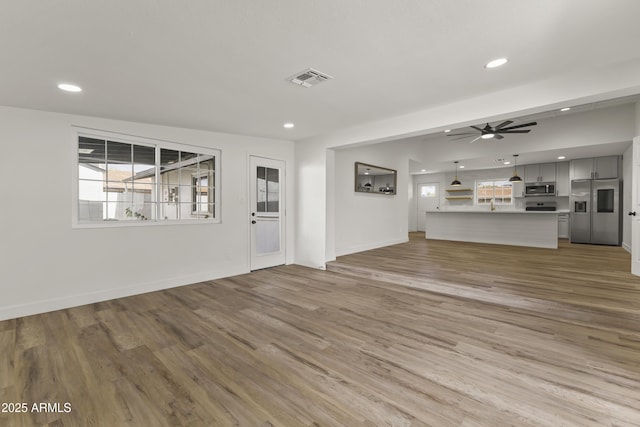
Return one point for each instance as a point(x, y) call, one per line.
point(596, 211)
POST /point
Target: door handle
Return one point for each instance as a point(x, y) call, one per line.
point(632, 213)
point(253, 222)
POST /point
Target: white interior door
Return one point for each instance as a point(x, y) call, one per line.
point(428, 200)
point(635, 209)
point(267, 212)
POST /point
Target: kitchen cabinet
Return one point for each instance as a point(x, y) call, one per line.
point(518, 189)
point(563, 226)
point(606, 167)
point(595, 168)
point(562, 179)
point(545, 172)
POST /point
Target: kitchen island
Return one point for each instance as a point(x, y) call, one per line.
point(502, 227)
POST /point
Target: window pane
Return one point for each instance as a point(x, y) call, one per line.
point(169, 193)
point(91, 211)
point(207, 164)
point(119, 162)
point(144, 169)
point(273, 190)
point(169, 211)
point(499, 191)
point(91, 191)
point(428, 191)
point(119, 211)
point(186, 212)
point(261, 188)
point(188, 165)
point(170, 177)
point(200, 194)
point(91, 158)
point(168, 158)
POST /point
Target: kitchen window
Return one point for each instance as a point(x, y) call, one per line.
point(129, 180)
point(500, 191)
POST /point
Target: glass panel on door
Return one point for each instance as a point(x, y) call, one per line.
point(267, 207)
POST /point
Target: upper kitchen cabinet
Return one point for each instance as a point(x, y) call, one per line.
point(595, 168)
point(562, 179)
point(581, 169)
point(606, 167)
point(545, 172)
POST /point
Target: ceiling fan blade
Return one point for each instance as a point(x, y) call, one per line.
point(475, 139)
point(498, 136)
point(519, 126)
point(462, 137)
point(503, 124)
point(477, 128)
point(465, 133)
point(515, 131)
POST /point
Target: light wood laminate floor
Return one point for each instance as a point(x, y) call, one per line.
point(424, 333)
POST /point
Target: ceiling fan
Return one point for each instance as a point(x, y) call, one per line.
point(496, 132)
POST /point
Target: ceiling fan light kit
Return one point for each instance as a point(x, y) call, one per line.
point(497, 132)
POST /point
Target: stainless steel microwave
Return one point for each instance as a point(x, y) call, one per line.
point(540, 189)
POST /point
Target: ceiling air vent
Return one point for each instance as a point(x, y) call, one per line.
point(309, 77)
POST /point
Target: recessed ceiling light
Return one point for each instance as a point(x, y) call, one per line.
point(69, 87)
point(288, 125)
point(487, 136)
point(561, 157)
point(565, 109)
point(507, 163)
point(496, 63)
point(461, 167)
point(447, 130)
point(423, 170)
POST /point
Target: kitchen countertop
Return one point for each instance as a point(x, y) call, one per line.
point(498, 211)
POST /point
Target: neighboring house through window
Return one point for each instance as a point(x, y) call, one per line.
point(498, 190)
point(121, 180)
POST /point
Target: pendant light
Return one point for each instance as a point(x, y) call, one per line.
point(455, 182)
point(515, 177)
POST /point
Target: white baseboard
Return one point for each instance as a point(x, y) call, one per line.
point(626, 247)
point(44, 306)
point(369, 246)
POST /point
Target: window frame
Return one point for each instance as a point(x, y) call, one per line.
point(158, 145)
point(493, 180)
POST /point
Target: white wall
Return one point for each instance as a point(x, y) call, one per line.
point(311, 205)
point(366, 221)
point(627, 169)
point(47, 265)
point(637, 118)
point(572, 88)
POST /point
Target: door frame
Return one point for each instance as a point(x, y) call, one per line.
point(437, 184)
point(283, 211)
point(635, 208)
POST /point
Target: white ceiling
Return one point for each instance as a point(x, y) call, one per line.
point(222, 65)
point(591, 130)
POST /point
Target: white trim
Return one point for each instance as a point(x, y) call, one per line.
point(43, 306)
point(148, 142)
point(626, 247)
